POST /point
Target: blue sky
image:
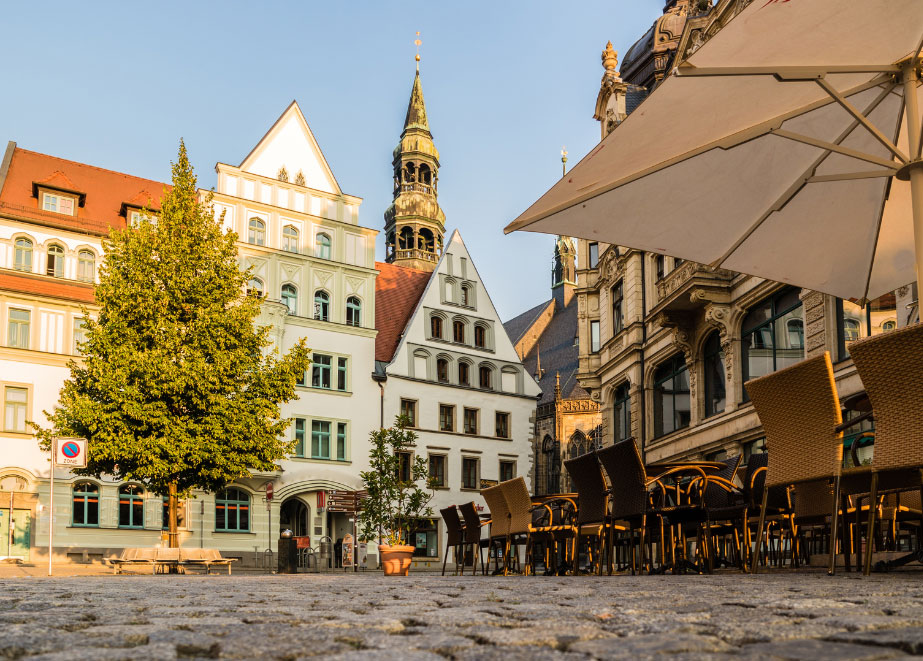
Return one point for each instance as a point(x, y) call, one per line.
point(506, 85)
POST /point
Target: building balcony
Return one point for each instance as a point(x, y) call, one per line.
point(418, 188)
point(692, 286)
point(425, 255)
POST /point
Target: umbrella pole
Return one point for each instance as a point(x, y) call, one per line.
point(912, 108)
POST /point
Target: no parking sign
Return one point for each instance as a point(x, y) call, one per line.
point(71, 452)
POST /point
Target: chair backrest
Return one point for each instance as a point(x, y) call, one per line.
point(587, 477)
point(167, 555)
point(717, 496)
point(627, 476)
point(813, 499)
point(519, 503)
point(472, 529)
point(128, 554)
point(499, 512)
point(891, 368)
point(453, 525)
point(146, 554)
point(799, 410)
point(213, 554)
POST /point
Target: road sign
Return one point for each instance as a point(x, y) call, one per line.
point(269, 491)
point(71, 452)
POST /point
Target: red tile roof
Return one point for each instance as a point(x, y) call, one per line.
point(105, 192)
point(40, 285)
point(397, 291)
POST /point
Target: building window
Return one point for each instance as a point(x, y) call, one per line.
point(86, 505)
point(485, 377)
point(320, 371)
point(713, 361)
point(465, 296)
point(621, 410)
point(299, 436)
point(754, 447)
point(80, 335)
point(55, 265)
point(769, 341)
point(470, 472)
point(353, 311)
point(255, 287)
point(507, 470)
point(320, 439)
point(180, 513)
point(404, 461)
point(289, 239)
point(889, 325)
point(503, 425)
point(435, 325)
point(437, 470)
point(446, 417)
point(618, 314)
point(22, 260)
point(58, 204)
point(660, 267)
point(855, 322)
point(290, 298)
point(322, 246)
point(321, 305)
point(86, 266)
point(131, 506)
point(409, 411)
point(15, 407)
point(471, 421)
point(594, 255)
point(671, 396)
point(480, 337)
point(257, 232)
point(342, 370)
point(232, 510)
point(135, 218)
point(463, 374)
point(594, 336)
point(442, 370)
point(341, 441)
point(19, 328)
point(458, 331)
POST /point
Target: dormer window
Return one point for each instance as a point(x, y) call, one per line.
point(136, 217)
point(58, 203)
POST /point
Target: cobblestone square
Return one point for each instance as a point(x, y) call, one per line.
point(427, 616)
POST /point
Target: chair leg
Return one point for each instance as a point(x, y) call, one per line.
point(641, 560)
point(870, 531)
point(759, 532)
point(831, 566)
point(446, 558)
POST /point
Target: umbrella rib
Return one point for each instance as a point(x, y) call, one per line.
point(833, 147)
point(862, 119)
point(783, 73)
point(870, 174)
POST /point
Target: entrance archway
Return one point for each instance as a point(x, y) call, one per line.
point(296, 516)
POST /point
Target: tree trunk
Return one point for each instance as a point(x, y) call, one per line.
point(172, 534)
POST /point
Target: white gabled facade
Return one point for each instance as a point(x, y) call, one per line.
point(478, 430)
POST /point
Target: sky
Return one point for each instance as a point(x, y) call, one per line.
point(506, 84)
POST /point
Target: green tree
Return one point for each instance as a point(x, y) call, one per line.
point(176, 388)
point(395, 506)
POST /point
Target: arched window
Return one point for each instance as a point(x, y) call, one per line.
point(671, 396)
point(257, 232)
point(621, 409)
point(435, 325)
point(322, 246)
point(485, 377)
point(290, 298)
point(851, 330)
point(86, 266)
point(55, 265)
point(290, 238)
point(405, 240)
point(458, 331)
point(131, 506)
point(713, 362)
point(86, 504)
point(425, 240)
point(465, 294)
point(767, 335)
point(889, 325)
point(577, 445)
point(232, 510)
point(353, 311)
point(23, 255)
point(480, 337)
point(442, 370)
point(321, 305)
point(464, 371)
point(255, 287)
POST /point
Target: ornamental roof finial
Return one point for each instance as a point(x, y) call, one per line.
point(418, 42)
point(610, 58)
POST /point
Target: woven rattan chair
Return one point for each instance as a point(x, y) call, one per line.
point(519, 503)
point(499, 523)
point(473, 538)
point(891, 368)
point(455, 537)
point(592, 506)
point(800, 413)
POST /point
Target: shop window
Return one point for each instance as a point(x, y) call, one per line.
point(424, 539)
point(131, 506)
point(671, 396)
point(232, 510)
point(85, 505)
point(713, 362)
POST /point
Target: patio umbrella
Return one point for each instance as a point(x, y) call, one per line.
point(786, 147)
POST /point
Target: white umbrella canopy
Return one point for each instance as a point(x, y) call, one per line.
point(779, 149)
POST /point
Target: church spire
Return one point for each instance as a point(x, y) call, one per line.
point(416, 109)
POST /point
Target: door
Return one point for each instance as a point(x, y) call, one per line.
point(17, 544)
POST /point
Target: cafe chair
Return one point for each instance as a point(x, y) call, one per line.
point(473, 538)
point(455, 537)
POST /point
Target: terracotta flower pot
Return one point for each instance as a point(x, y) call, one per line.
point(395, 559)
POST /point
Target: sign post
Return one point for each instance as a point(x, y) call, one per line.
point(70, 452)
point(269, 493)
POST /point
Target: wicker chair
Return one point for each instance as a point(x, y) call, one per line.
point(519, 503)
point(592, 506)
point(473, 525)
point(499, 523)
point(455, 536)
point(800, 413)
point(891, 368)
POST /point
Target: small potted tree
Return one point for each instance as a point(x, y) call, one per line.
point(396, 500)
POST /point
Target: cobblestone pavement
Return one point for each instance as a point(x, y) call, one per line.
point(432, 617)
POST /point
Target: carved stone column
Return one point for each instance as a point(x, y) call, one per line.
point(815, 332)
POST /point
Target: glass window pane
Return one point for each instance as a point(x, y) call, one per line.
point(341, 441)
point(789, 337)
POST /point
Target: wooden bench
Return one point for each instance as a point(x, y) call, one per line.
point(166, 558)
point(205, 558)
point(130, 557)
